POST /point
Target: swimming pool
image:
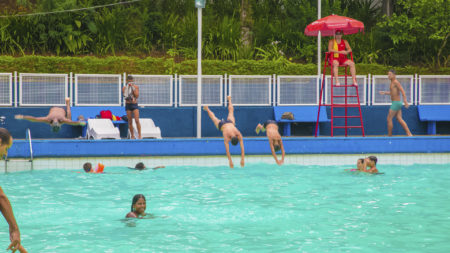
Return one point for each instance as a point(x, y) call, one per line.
point(259, 208)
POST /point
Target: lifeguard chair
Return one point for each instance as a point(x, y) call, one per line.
point(337, 115)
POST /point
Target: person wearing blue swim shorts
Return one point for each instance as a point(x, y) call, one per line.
point(396, 107)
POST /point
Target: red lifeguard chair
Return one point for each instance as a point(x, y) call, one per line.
point(328, 26)
point(336, 113)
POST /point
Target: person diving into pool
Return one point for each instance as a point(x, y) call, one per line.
point(55, 117)
point(275, 142)
point(229, 131)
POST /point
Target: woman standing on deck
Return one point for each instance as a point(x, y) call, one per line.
point(131, 94)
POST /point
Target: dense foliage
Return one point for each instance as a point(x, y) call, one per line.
point(416, 33)
point(168, 66)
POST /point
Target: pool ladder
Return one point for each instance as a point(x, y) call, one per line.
point(30, 160)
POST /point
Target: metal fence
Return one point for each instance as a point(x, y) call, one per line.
point(434, 90)
point(93, 89)
point(212, 90)
point(6, 89)
point(297, 90)
point(42, 89)
point(30, 89)
point(382, 83)
point(155, 90)
point(250, 90)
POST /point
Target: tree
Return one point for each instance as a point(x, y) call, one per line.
point(246, 23)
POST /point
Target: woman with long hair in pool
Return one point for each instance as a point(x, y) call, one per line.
point(138, 206)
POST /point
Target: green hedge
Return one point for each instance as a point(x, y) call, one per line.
point(158, 66)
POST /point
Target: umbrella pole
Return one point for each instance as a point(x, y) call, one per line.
point(319, 36)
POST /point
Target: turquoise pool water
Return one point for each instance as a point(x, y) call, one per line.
point(259, 208)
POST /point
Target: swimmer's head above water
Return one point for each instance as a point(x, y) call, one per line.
point(87, 167)
point(138, 204)
point(140, 166)
point(373, 159)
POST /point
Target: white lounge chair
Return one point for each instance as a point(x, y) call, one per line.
point(102, 129)
point(148, 129)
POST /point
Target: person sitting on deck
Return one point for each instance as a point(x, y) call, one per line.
point(275, 142)
point(341, 49)
point(56, 117)
point(229, 131)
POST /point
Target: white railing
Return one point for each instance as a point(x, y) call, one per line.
point(382, 83)
point(30, 89)
point(93, 89)
point(154, 90)
point(434, 89)
point(42, 89)
point(297, 90)
point(340, 91)
point(6, 87)
point(250, 90)
point(212, 90)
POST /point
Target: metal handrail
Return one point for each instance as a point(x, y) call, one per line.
point(28, 135)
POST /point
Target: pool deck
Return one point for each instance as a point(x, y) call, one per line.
point(214, 146)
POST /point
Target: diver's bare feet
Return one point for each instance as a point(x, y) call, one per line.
point(67, 100)
point(229, 99)
point(205, 108)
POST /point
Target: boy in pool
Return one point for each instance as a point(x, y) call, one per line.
point(370, 165)
point(55, 118)
point(395, 110)
point(141, 166)
point(98, 169)
point(229, 131)
point(275, 142)
point(138, 206)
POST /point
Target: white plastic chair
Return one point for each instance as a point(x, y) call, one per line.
point(102, 129)
point(148, 129)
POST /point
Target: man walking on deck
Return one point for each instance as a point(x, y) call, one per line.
point(396, 107)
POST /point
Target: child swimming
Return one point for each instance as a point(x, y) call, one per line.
point(138, 206)
point(98, 169)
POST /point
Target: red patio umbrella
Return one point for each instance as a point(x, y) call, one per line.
point(328, 26)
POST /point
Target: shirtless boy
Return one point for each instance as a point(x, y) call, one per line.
point(229, 131)
point(275, 142)
point(55, 118)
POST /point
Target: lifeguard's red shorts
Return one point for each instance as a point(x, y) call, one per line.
point(341, 59)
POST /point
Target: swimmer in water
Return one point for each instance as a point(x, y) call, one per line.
point(98, 169)
point(141, 166)
point(55, 118)
point(275, 142)
point(138, 206)
point(359, 165)
point(370, 165)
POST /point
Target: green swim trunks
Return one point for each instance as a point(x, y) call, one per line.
point(396, 105)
